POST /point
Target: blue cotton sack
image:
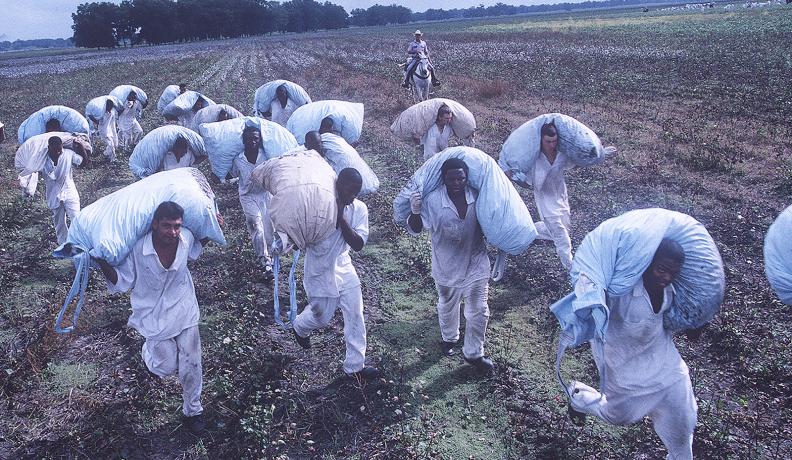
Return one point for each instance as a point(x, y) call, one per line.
point(150, 152)
point(211, 113)
point(170, 93)
point(70, 120)
point(579, 143)
point(341, 155)
point(185, 102)
point(778, 256)
point(96, 107)
point(122, 93)
point(502, 214)
point(347, 119)
point(266, 93)
point(223, 141)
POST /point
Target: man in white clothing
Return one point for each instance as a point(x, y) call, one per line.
point(644, 375)
point(164, 306)
point(436, 138)
point(550, 194)
point(62, 197)
point(108, 130)
point(253, 198)
point(129, 129)
point(282, 106)
point(460, 265)
point(331, 281)
point(180, 156)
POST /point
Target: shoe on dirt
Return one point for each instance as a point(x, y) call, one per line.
point(304, 342)
point(482, 364)
point(195, 424)
point(367, 373)
point(447, 348)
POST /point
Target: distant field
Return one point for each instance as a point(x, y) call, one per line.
point(699, 105)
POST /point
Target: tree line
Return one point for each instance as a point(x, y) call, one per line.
point(107, 25)
point(18, 45)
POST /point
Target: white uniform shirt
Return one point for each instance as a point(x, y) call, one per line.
point(328, 267)
point(280, 114)
point(163, 300)
point(107, 126)
point(436, 140)
point(127, 119)
point(58, 179)
point(459, 255)
point(243, 168)
point(170, 161)
point(550, 192)
point(639, 353)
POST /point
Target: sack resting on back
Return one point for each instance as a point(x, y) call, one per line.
point(70, 121)
point(31, 156)
point(96, 107)
point(265, 94)
point(150, 152)
point(502, 214)
point(211, 113)
point(347, 119)
point(414, 122)
point(122, 93)
point(170, 93)
point(341, 155)
point(778, 256)
point(185, 102)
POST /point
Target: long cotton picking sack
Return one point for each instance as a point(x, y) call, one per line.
point(223, 140)
point(575, 140)
point(341, 155)
point(414, 122)
point(347, 119)
point(150, 152)
point(210, 114)
point(778, 256)
point(265, 94)
point(70, 121)
point(185, 102)
point(502, 214)
point(31, 156)
point(303, 204)
point(122, 93)
point(170, 93)
point(96, 107)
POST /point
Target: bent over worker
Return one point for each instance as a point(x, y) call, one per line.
point(62, 197)
point(460, 264)
point(644, 372)
point(164, 306)
point(331, 281)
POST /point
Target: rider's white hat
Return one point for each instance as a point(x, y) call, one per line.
point(418, 32)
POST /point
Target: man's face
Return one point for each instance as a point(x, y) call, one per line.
point(455, 181)
point(55, 152)
point(662, 272)
point(252, 140)
point(418, 37)
point(550, 143)
point(281, 93)
point(348, 191)
point(167, 230)
point(444, 119)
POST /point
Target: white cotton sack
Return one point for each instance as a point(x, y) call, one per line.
point(340, 155)
point(347, 119)
point(149, 153)
point(415, 121)
point(265, 94)
point(70, 121)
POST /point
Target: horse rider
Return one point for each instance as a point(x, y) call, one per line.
point(417, 50)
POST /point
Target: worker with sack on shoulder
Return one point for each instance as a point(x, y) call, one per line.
point(129, 129)
point(550, 194)
point(181, 156)
point(164, 306)
point(62, 196)
point(331, 281)
point(644, 372)
point(460, 264)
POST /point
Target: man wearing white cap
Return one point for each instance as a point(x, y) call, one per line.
point(416, 50)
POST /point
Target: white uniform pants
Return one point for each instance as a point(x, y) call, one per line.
point(110, 148)
point(555, 229)
point(258, 224)
point(673, 412)
point(476, 315)
point(130, 135)
point(319, 313)
point(66, 208)
point(180, 354)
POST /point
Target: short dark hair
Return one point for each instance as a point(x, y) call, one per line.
point(168, 210)
point(182, 142)
point(53, 124)
point(223, 115)
point(549, 129)
point(350, 175)
point(109, 105)
point(170, 117)
point(453, 163)
point(250, 129)
point(55, 141)
point(444, 109)
point(132, 96)
point(326, 125)
point(670, 249)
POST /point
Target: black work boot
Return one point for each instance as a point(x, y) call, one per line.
point(195, 424)
point(482, 364)
point(304, 342)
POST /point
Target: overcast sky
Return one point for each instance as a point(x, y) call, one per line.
point(29, 19)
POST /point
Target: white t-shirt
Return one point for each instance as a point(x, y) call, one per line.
point(128, 118)
point(163, 299)
point(549, 187)
point(170, 161)
point(436, 140)
point(280, 114)
point(328, 267)
point(58, 179)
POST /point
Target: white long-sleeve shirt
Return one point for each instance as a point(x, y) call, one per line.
point(328, 267)
point(171, 162)
point(280, 114)
point(58, 179)
point(459, 254)
point(436, 140)
point(128, 118)
point(163, 299)
point(549, 187)
point(107, 126)
point(639, 352)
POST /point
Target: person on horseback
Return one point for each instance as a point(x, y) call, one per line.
point(417, 50)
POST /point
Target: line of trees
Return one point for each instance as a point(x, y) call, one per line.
point(107, 25)
point(39, 43)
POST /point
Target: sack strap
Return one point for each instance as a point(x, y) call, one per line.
point(79, 285)
point(292, 290)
